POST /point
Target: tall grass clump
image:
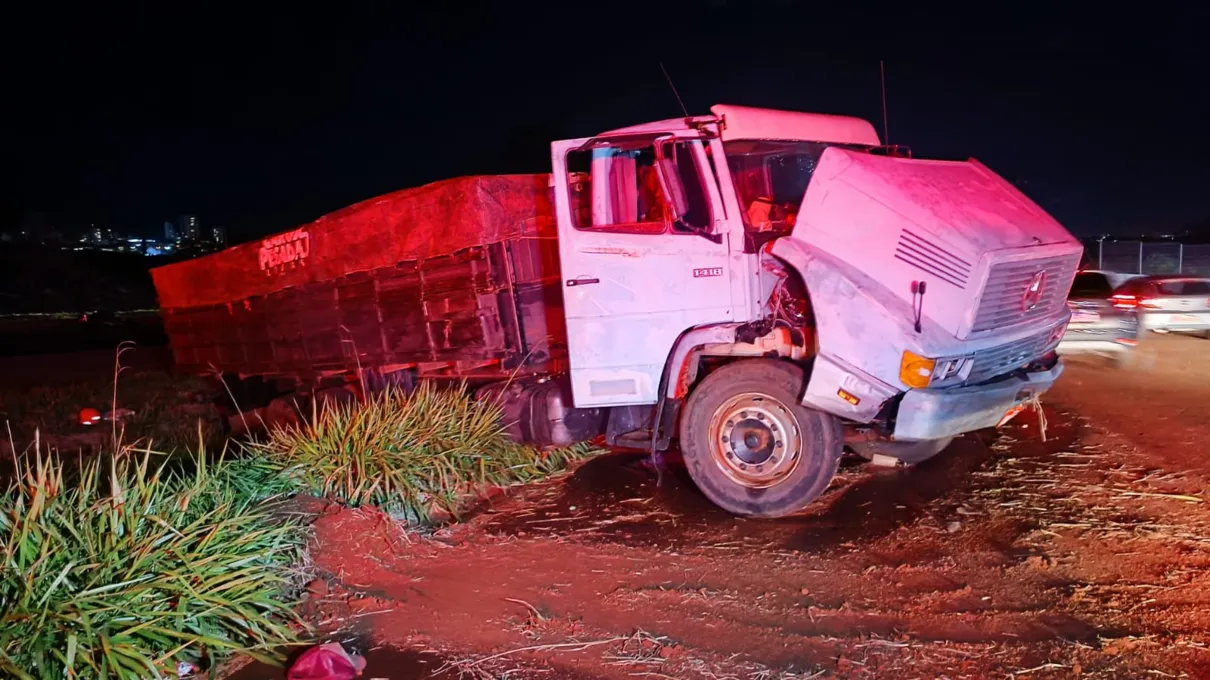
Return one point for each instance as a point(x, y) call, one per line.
point(408, 453)
point(124, 568)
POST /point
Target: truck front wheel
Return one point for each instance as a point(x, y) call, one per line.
point(751, 447)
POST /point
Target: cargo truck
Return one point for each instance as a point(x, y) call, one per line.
point(760, 288)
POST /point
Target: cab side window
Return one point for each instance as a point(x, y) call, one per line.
point(616, 186)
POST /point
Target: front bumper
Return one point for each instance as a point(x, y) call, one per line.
point(939, 413)
point(1175, 322)
point(1094, 346)
point(1108, 336)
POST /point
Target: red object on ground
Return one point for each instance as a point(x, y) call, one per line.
point(326, 662)
point(89, 416)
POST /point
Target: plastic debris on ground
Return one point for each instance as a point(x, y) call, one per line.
point(326, 662)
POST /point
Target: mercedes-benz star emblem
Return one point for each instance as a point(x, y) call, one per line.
point(1033, 292)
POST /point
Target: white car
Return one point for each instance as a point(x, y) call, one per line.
point(1101, 322)
point(1169, 304)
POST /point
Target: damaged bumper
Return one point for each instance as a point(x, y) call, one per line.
point(937, 414)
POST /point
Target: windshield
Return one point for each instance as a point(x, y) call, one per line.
point(771, 178)
point(1090, 285)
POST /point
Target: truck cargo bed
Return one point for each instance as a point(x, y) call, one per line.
point(481, 296)
point(482, 310)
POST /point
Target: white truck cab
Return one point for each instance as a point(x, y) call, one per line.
point(777, 283)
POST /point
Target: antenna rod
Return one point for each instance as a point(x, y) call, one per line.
point(886, 134)
point(678, 94)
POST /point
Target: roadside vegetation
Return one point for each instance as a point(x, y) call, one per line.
point(126, 566)
point(147, 550)
point(410, 454)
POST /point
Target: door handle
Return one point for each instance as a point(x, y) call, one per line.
point(581, 281)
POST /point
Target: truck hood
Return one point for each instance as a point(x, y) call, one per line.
point(948, 223)
point(964, 202)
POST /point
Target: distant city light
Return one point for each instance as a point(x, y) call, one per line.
point(181, 236)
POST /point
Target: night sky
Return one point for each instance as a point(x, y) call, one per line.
point(258, 120)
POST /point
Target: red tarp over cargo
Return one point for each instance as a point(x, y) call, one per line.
point(411, 224)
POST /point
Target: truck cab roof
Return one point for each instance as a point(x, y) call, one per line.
point(746, 122)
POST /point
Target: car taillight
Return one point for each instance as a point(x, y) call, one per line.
point(1149, 304)
point(1125, 301)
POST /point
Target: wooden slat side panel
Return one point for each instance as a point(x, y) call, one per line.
point(464, 307)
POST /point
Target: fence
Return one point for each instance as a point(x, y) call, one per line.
point(1145, 257)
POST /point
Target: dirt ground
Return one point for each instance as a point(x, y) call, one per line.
point(1084, 555)
point(1006, 556)
point(1160, 404)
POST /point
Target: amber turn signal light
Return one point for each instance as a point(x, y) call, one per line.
point(915, 370)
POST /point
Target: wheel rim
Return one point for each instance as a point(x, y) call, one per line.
point(755, 440)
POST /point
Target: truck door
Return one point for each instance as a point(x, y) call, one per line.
point(642, 259)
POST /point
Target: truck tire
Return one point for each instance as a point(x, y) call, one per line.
point(750, 446)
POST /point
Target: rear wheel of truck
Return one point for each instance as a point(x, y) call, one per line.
point(751, 447)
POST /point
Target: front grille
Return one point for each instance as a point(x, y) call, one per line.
point(933, 259)
point(997, 361)
point(1002, 303)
